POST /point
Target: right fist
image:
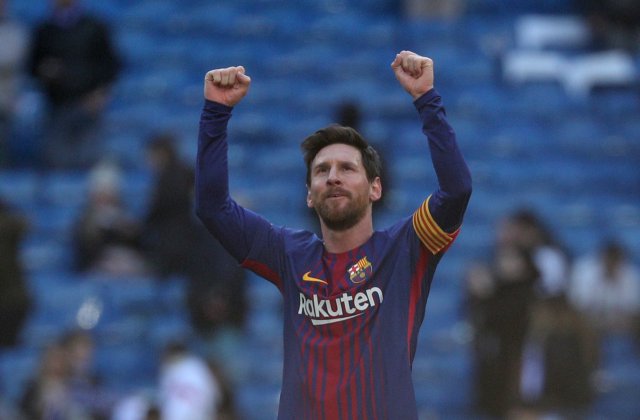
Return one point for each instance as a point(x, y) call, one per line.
point(226, 86)
point(414, 72)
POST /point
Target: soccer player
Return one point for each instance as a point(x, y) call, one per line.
point(354, 298)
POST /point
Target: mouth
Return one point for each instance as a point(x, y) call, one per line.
point(337, 194)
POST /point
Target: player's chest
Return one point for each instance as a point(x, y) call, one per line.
point(331, 275)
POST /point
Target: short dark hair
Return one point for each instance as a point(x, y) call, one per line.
point(338, 134)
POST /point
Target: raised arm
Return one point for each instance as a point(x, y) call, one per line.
point(448, 204)
point(223, 217)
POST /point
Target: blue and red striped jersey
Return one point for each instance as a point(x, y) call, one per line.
point(351, 320)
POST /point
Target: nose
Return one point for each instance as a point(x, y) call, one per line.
point(333, 178)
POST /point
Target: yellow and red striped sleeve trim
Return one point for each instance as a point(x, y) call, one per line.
point(430, 234)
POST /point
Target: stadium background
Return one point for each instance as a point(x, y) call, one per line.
point(574, 160)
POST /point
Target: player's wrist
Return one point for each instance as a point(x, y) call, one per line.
point(216, 107)
point(417, 94)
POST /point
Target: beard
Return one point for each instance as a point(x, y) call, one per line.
point(341, 217)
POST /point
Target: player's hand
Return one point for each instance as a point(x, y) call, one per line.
point(414, 72)
point(226, 86)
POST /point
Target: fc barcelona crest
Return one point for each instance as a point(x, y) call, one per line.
point(360, 270)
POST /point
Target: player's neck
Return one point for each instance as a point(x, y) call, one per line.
point(337, 242)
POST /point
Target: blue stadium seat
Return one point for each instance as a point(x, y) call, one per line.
point(128, 366)
point(44, 252)
point(19, 188)
point(134, 297)
point(17, 367)
point(164, 328)
point(65, 188)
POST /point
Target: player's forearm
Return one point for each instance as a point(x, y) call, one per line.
point(449, 202)
point(212, 176)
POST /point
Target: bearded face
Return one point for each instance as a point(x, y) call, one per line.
point(340, 192)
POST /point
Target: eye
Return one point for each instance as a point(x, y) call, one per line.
point(320, 169)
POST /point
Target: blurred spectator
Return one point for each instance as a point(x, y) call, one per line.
point(106, 236)
point(606, 288)
point(560, 359)
point(169, 230)
point(216, 297)
point(14, 40)
point(499, 302)
point(73, 59)
point(15, 299)
point(525, 229)
point(84, 384)
point(188, 390)
point(177, 243)
point(47, 395)
point(615, 24)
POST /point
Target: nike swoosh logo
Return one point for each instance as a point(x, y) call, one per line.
point(306, 277)
point(333, 320)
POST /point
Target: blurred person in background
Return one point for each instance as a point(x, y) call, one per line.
point(85, 385)
point(176, 243)
point(499, 301)
point(73, 58)
point(47, 394)
point(15, 298)
point(524, 229)
point(615, 24)
point(169, 232)
point(606, 288)
point(14, 39)
point(106, 236)
point(190, 389)
point(559, 362)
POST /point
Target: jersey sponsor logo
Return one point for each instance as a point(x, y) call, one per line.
point(307, 277)
point(360, 270)
point(342, 308)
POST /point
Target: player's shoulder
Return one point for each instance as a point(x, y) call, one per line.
point(296, 239)
point(395, 230)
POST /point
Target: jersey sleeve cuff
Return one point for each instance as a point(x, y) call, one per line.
point(427, 98)
point(216, 107)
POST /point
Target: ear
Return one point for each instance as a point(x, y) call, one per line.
point(375, 190)
point(309, 200)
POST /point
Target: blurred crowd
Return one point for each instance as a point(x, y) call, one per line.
point(55, 82)
point(108, 240)
point(67, 386)
point(539, 316)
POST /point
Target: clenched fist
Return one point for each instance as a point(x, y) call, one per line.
point(226, 86)
point(414, 72)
